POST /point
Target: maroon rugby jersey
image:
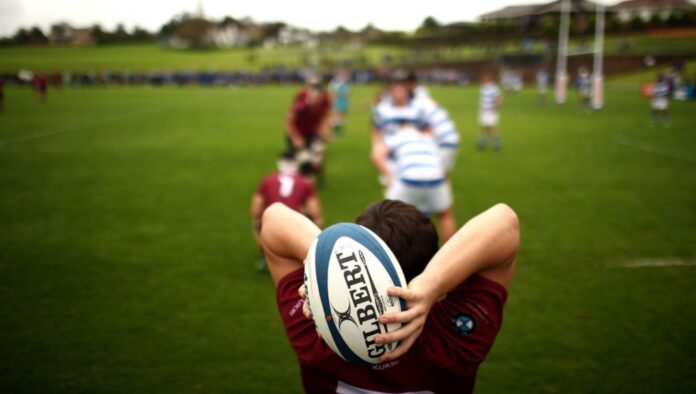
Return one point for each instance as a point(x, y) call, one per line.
point(458, 334)
point(308, 114)
point(291, 189)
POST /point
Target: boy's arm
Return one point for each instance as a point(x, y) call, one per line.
point(313, 209)
point(286, 236)
point(292, 131)
point(486, 245)
point(257, 203)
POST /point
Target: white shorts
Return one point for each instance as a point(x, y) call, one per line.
point(428, 199)
point(488, 118)
point(659, 104)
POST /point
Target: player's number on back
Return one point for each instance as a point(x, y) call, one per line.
point(286, 185)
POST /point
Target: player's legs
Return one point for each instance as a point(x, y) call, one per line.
point(440, 202)
point(318, 150)
point(337, 123)
point(654, 113)
point(485, 132)
point(483, 139)
point(448, 224)
point(495, 137)
point(489, 123)
point(666, 119)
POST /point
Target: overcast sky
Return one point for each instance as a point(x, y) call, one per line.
point(313, 14)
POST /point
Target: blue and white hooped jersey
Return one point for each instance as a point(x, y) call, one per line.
point(388, 118)
point(584, 82)
point(439, 121)
point(417, 157)
point(421, 92)
point(489, 97)
point(661, 90)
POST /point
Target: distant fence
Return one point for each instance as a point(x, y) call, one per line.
point(452, 72)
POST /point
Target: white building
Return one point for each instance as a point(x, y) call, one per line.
point(646, 9)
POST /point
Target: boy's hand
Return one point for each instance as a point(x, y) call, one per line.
point(419, 299)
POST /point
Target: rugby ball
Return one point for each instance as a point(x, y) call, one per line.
point(348, 270)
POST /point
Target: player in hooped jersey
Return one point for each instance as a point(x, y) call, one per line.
point(489, 105)
point(406, 154)
point(394, 110)
point(418, 176)
point(542, 80)
point(584, 86)
point(659, 102)
point(288, 187)
point(455, 297)
point(438, 120)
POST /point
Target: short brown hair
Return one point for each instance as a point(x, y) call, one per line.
point(409, 234)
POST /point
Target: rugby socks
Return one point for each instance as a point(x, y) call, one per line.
point(497, 144)
point(483, 142)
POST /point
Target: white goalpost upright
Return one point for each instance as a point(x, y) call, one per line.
point(598, 56)
point(597, 74)
point(562, 54)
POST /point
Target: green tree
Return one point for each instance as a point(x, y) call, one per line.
point(429, 24)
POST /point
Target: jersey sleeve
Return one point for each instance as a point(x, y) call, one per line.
point(462, 327)
point(393, 141)
point(298, 102)
point(308, 191)
point(376, 117)
point(263, 186)
point(305, 341)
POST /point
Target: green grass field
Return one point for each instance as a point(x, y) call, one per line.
point(151, 57)
point(127, 260)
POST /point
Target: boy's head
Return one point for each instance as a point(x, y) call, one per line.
point(398, 88)
point(410, 235)
point(286, 163)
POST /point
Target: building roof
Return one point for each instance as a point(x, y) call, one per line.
point(631, 4)
point(575, 6)
point(514, 11)
point(519, 11)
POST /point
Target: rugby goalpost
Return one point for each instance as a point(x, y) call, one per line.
point(561, 88)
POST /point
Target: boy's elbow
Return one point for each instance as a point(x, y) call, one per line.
point(272, 214)
point(510, 219)
point(510, 215)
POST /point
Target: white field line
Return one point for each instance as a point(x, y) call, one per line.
point(656, 262)
point(47, 133)
point(650, 149)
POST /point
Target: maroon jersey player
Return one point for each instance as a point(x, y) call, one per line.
point(288, 187)
point(443, 340)
point(308, 123)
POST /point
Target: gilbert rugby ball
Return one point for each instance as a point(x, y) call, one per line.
point(347, 273)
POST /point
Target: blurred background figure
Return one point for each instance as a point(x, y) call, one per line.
point(542, 80)
point(308, 123)
point(289, 185)
point(340, 87)
point(583, 84)
point(659, 102)
point(489, 105)
point(40, 83)
point(437, 119)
